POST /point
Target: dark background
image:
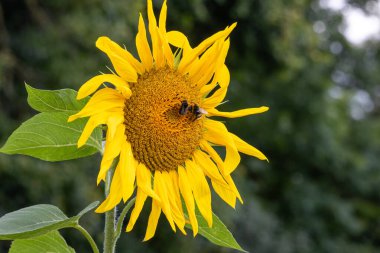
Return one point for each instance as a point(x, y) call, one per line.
point(320, 192)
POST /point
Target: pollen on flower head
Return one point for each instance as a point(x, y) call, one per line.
point(162, 138)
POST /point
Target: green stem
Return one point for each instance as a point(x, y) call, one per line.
point(121, 218)
point(88, 237)
point(109, 226)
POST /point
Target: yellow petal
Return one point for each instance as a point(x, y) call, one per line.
point(215, 65)
point(111, 151)
point(102, 107)
point(218, 134)
point(153, 220)
point(246, 148)
point(127, 170)
point(184, 186)
point(238, 113)
point(208, 166)
point(223, 77)
point(178, 39)
point(206, 89)
point(223, 54)
point(113, 121)
point(156, 42)
point(171, 179)
point(204, 68)
point(166, 49)
point(225, 193)
point(121, 65)
point(162, 19)
point(118, 55)
point(139, 204)
point(214, 155)
point(114, 196)
point(158, 54)
point(232, 185)
point(187, 60)
point(161, 190)
point(93, 84)
point(151, 17)
point(144, 181)
point(201, 190)
point(92, 122)
point(104, 100)
point(142, 46)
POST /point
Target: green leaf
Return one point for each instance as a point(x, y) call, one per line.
point(51, 242)
point(87, 209)
point(48, 136)
point(217, 234)
point(32, 221)
point(54, 100)
point(37, 220)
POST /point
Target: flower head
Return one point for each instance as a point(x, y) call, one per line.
point(158, 114)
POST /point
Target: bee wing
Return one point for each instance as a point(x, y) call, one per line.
point(202, 111)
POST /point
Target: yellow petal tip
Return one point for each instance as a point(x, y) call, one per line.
point(72, 118)
point(80, 144)
point(80, 96)
point(147, 238)
point(98, 180)
point(262, 157)
point(182, 230)
point(100, 40)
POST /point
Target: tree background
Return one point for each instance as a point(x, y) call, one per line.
point(320, 192)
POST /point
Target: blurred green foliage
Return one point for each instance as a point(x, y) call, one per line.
point(320, 192)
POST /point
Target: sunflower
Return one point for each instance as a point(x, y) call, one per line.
point(158, 115)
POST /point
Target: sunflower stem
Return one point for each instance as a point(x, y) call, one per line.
point(109, 226)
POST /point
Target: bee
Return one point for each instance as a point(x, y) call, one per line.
point(192, 108)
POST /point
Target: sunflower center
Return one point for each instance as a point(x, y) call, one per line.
point(161, 137)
